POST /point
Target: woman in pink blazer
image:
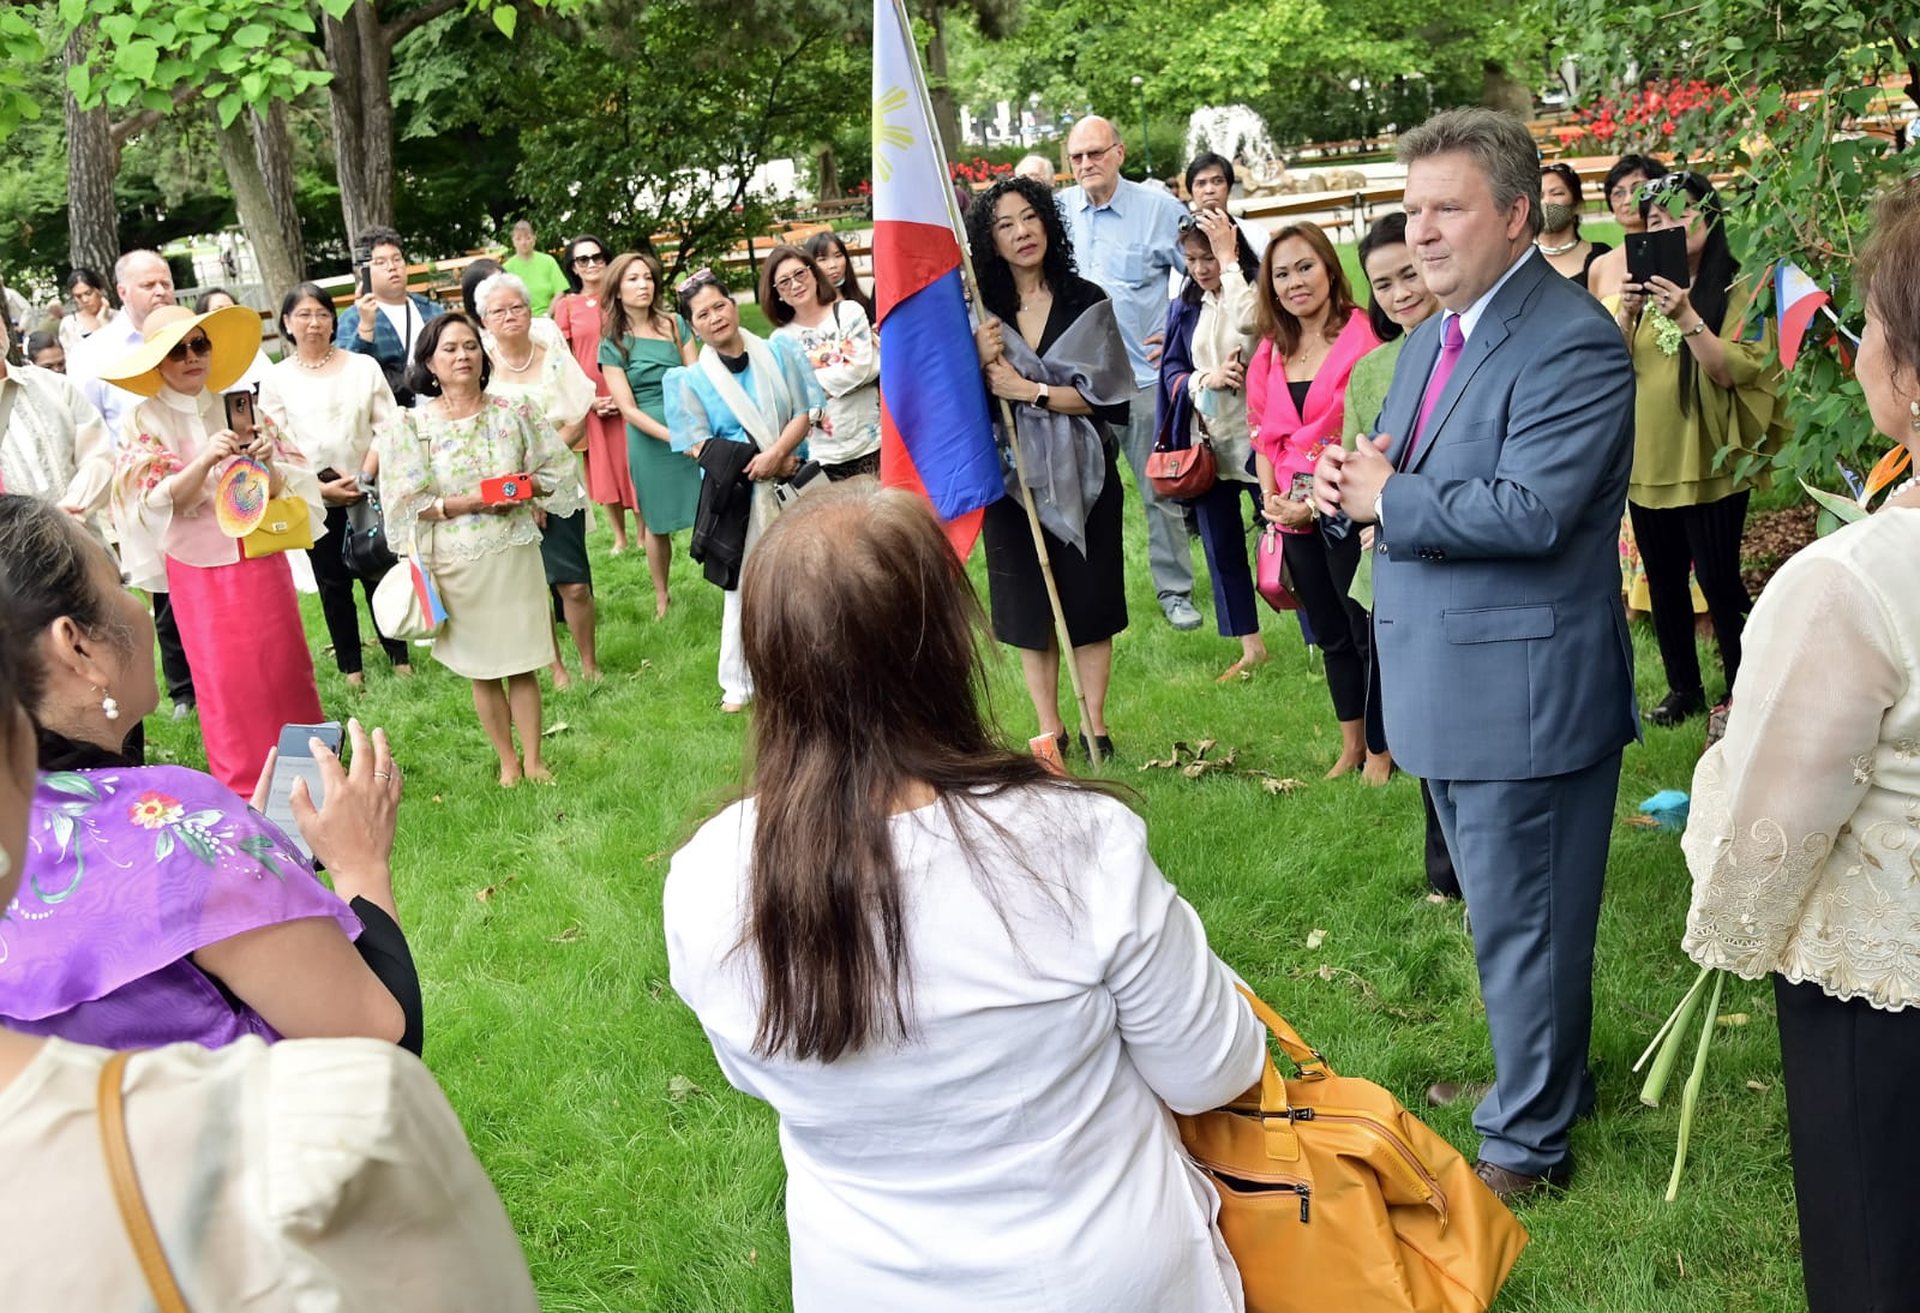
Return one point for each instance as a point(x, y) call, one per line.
point(1311, 334)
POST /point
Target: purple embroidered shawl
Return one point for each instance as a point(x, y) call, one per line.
point(128, 872)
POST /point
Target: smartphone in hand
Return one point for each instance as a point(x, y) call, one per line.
point(239, 405)
point(1660, 254)
point(293, 760)
point(364, 273)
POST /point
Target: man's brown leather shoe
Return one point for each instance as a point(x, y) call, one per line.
point(1448, 1092)
point(1513, 1187)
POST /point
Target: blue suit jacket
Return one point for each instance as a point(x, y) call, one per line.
point(1498, 620)
point(386, 347)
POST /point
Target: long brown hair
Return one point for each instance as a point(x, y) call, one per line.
point(1273, 320)
point(613, 314)
point(778, 312)
point(863, 634)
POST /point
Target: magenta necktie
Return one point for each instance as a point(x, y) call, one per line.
point(1452, 340)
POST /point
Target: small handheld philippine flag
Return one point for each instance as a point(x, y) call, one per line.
point(1796, 299)
point(936, 434)
point(431, 606)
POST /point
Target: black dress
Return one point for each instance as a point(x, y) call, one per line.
point(1093, 591)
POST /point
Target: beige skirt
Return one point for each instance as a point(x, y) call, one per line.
point(498, 618)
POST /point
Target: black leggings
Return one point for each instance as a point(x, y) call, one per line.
point(336, 598)
point(1707, 537)
point(1322, 570)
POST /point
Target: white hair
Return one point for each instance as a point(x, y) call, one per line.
point(495, 284)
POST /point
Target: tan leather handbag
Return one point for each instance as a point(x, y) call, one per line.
point(1334, 1197)
point(126, 1189)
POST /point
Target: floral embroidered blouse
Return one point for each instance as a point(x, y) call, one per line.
point(845, 356)
point(423, 455)
point(129, 872)
point(163, 435)
point(1804, 833)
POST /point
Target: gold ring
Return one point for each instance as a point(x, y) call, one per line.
point(382, 775)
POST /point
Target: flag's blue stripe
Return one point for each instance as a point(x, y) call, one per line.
point(930, 376)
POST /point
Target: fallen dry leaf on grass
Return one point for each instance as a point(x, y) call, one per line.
point(567, 936)
point(1731, 1019)
point(682, 1088)
point(1317, 938)
point(1641, 820)
point(484, 895)
point(1758, 1087)
point(558, 727)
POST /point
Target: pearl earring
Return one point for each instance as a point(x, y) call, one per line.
point(110, 708)
point(1913, 409)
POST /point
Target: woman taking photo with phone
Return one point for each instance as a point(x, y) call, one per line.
point(235, 1154)
point(331, 401)
point(1311, 335)
point(1210, 338)
point(441, 469)
point(641, 339)
point(238, 616)
point(1707, 390)
point(920, 927)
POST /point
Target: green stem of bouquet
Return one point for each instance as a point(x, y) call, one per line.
point(1690, 1097)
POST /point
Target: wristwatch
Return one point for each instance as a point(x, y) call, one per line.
point(1696, 330)
point(1040, 395)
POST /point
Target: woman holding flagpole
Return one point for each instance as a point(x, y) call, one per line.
point(1063, 371)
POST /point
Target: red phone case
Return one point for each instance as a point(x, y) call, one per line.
point(506, 488)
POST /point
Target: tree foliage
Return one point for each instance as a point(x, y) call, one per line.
point(1814, 86)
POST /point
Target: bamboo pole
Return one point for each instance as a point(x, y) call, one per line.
point(1061, 638)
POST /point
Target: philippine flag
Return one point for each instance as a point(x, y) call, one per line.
point(936, 431)
point(1796, 299)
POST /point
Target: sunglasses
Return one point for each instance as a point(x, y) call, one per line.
point(199, 344)
point(591, 257)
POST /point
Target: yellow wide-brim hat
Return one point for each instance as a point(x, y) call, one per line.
point(234, 331)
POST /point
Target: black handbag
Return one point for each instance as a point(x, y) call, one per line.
point(364, 545)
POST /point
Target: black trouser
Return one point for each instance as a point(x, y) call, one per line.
point(336, 598)
point(1321, 570)
point(173, 653)
point(1441, 877)
point(867, 465)
point(1707, 537)
point(1851, 1071)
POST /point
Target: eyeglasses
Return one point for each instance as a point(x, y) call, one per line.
point(506, 311)
point(590, 257)
point(794, 281)
point(388, 262)
point(1085, 156)
point(199, 344)
point(704, 276)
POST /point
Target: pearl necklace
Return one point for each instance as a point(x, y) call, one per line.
point(324, 360)
point(524, 365)
point(1559, 250)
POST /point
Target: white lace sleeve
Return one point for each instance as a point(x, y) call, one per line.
point(1771, 798)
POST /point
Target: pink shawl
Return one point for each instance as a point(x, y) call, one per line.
point(1290, 440)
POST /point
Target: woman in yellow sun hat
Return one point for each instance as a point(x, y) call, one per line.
point(239, 618)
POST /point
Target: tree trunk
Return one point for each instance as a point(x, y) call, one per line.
point(93, 162)
point(1499, 89)
point(946, 114)
point(361, 59)
point(251, 197)
point(828, 172)
point(273, 151)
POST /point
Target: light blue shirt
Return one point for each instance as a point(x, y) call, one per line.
point(696, 411)
point(1130, 246)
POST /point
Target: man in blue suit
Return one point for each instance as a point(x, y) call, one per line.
point(1496, 482)
point(386, 321)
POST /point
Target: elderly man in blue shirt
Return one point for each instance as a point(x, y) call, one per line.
point(1126, 238)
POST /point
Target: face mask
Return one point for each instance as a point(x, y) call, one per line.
point(1556, 216)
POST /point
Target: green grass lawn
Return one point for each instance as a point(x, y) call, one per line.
point(639, 1181)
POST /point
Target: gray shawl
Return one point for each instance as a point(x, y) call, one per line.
point(1065, 455)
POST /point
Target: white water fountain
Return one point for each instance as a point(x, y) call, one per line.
point(1238, 133)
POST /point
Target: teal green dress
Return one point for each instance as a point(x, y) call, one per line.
point(666, 483)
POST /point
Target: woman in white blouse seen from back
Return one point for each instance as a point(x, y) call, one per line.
point(961, 981)
point(1804, 838)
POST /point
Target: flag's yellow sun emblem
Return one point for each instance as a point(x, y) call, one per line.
point(887, 133)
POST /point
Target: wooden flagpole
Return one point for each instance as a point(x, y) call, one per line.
point(1062, 639)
